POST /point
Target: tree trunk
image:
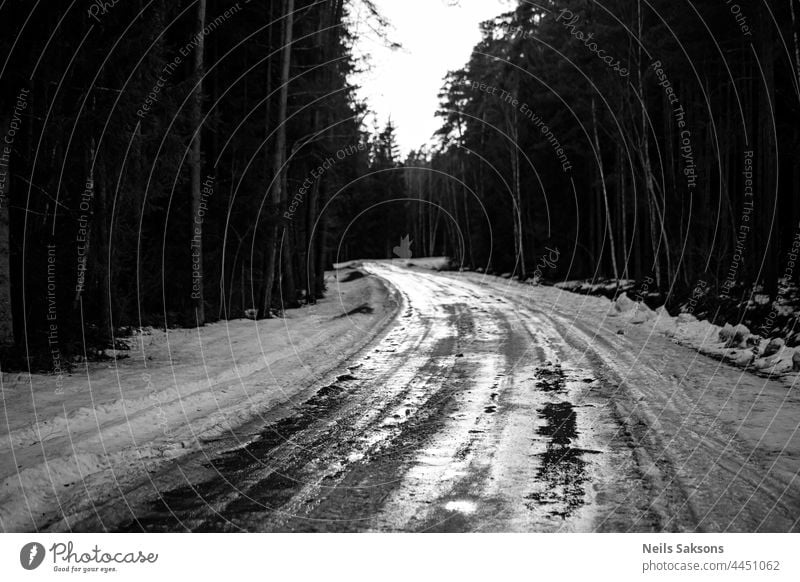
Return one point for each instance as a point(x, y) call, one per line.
point(796, 42)
point(623, 213)
point(609, 226)
point(103, 257)
point(311, 251)
point(196, 166)
point(519, 253)
point(767, 156)
point(321, 242)
point(287, 263)
point(6, 319)
point(279, 157)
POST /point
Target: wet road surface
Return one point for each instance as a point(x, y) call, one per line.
point(479, 411)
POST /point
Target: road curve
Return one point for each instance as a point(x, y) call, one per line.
point(491, 406)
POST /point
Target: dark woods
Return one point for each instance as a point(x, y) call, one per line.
point(169, 163)
point(175, 163)
point(652, 141)
point(655, 141)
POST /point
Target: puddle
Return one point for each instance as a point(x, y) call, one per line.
point(461, 506)
point(550, 378)
point(563, 470)
point(561, 427)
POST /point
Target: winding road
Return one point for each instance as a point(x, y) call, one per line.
point(492, 406)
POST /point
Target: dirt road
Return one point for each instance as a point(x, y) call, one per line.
point(492, 406)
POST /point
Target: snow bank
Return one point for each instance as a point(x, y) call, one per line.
point(177, 388)
point(606, 287)
point(433, 263)
point(734, 344)
point(634, 312)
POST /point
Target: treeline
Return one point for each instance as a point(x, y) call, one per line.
point(175, 163)
point(171, 163)
point(654, 141)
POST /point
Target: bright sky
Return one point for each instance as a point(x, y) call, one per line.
point(403, 84)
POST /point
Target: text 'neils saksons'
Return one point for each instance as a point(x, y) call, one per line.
point(681, 549)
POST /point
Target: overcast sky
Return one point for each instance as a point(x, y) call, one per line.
point(436, 38)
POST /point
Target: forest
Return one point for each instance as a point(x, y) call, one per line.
point(175, 163)
point(653, 143)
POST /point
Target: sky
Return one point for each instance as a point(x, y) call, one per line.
point(403, 84)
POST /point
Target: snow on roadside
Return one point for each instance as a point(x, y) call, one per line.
point(606, 287)
point(735, 345)
point(177, 388)
point(433, 263)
